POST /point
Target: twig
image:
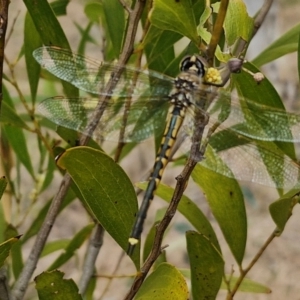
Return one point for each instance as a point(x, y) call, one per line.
point(244, 272)
point(22, 283)
point(30, 265)
point(93, 249)
point(113, 276)
point(258, 20)
point(3, 25)
point(126, 7)
point(4, 290)
point(4, 286)
point(217, 31)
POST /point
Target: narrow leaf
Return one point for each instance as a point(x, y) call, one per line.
point(5, 247)
point(286, 44)
point(50, 31)
point(16, 139)
point(74, 245)
point(10, 117)
point(247, 285)
point(32, 41)
point(3, 184)
point(189, 209)
point(115, 25)
point(207, 266)
point(226, 201)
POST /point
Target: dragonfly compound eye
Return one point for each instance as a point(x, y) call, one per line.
point(192, 64)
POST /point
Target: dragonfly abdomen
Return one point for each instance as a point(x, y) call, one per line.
point(174, 121)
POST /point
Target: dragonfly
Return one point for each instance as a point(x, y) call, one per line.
point(164, 106)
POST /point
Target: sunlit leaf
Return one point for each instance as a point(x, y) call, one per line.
point(165, 282)
point(176, 16)
point(247, 285)
point(237, 14)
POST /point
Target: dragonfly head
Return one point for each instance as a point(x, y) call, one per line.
point(193, 64)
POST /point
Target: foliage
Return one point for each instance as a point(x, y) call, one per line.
point(34, 156)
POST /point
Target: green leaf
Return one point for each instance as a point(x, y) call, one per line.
point(3, 184)
point(166, 282)
point(115, 25)
point(189, 209)
point(106, 189)
point(16, 251)
point(176, 16)
point(207, 266)
point(237, 14)
point(288, 43)
point(94, 11)
point(38, 221)
point(264, 94)
point(50, 31)
point(247, 285)
point(52, 286)
point(10, 117)
point(5, 247)
point(74, 245)
point(55, 246)
point(46, 23)
point(60, 7)
point(226, 201)
point(16, 139)
point(151, 234)
point(156, 43)
point(50, 168)
point(31, 42)
point(281, 210)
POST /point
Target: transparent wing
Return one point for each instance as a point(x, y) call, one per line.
point(258, 164)
point(92, 76)
point(262, 163)
point(142, 120)
point(255, 120)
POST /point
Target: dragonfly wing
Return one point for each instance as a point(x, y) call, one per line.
point(142, 120)
point(92, 76)
point(255, 120)
point(246, 159)
point(260, 162)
